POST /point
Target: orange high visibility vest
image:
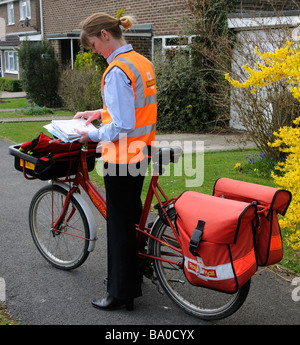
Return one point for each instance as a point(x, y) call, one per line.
point(129, 148)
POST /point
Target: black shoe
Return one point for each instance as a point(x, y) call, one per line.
point(110, 302)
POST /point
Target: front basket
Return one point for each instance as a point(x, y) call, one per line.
point(46, 170)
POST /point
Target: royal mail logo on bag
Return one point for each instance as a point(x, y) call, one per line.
point(210, 273)
point(220, 272)
point(193, 267)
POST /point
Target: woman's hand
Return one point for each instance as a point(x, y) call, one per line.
point(84, 136)
point(90, 115)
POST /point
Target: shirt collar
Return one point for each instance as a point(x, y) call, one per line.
point(124, 49)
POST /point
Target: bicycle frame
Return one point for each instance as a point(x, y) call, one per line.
point(82, 179)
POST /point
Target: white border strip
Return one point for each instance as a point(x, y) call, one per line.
point(239, 23)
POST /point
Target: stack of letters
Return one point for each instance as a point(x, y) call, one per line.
point(65, 129)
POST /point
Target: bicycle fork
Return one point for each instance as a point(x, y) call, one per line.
point(57, 225)
point(56, 228)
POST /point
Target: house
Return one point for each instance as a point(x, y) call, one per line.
point(158, 24)
point(19, 20)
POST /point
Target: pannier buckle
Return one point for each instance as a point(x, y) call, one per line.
point(196, 237)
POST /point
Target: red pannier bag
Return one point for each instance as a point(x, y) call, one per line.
point(217, 240)
point(270, 202)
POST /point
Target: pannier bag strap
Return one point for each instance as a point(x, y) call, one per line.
point(196, 237)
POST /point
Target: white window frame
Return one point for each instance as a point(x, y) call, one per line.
point(166, 47)
point(10, 14)
point(25, 11)
point(11, 62)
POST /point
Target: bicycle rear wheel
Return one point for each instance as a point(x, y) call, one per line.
point(66, 247)
point(199, 302)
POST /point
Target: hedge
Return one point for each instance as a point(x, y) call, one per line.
point(9, 84)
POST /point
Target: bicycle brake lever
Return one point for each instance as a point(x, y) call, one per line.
point(84, 147)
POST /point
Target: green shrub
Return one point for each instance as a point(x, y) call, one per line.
point(39, 72)
point(88, 59)
point(9, 84)
point(183, 104)
point(80, 89)
point(36, 110)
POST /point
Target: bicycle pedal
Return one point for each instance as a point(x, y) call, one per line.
point(158, 288)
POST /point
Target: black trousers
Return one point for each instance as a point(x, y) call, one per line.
point(124, 207)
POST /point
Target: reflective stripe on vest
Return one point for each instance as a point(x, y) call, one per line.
point(140, 100)
point(140, 72)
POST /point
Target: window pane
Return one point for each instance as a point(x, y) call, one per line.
point(157, 45)
point(15, 62)
point(176, 41)
point(6, 60)
point(28, 13)
point(172, 41)
point(11, 61)
point(10, 13)
point(25, 9)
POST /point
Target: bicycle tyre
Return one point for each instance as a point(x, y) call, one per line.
point(65, 250)
point(197, 301)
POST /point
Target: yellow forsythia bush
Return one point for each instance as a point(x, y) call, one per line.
point(289, 142)
point(283, 63)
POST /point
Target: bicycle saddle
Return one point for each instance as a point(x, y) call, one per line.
point(167, 155)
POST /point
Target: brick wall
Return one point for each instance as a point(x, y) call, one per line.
point(141, 45)
point(62, 16)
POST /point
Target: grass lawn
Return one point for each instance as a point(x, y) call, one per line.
point(21, 103)
point(21, 131)
point(13, 103)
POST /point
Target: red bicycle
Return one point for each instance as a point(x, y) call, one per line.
point(64, 231)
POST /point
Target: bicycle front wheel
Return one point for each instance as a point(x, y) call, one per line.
point(199, 302)
point(67, 246)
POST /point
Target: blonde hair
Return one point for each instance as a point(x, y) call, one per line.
point(93, 25)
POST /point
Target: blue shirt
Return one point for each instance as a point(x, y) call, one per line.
point(119, 98)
